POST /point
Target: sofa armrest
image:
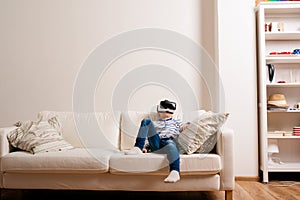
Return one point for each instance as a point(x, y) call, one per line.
point(4, 144)
point(225, 148)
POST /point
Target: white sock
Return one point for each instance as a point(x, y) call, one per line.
point(134, 151)
point(173, 177)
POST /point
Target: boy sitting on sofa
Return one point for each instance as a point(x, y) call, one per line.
point(161, 136)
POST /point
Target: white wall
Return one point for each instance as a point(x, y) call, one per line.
point(238, 70)
point(44, 45)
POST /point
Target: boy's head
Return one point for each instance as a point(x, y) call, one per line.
point(166, 106)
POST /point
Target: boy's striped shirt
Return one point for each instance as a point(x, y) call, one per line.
point(168, 128)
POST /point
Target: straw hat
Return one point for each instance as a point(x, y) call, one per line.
point(277, 100)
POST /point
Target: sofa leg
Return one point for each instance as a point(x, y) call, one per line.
point(228, 195)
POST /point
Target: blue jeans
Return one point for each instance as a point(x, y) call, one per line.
point(158, 145)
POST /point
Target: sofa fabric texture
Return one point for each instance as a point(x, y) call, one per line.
point(98, 161)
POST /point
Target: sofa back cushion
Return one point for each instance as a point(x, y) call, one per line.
point(130, 122)
point(89, 130)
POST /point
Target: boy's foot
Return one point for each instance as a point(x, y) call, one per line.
point(134, 151)
point(173, 177)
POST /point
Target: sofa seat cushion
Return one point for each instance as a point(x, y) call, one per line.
point(151, 163)
point(75, 160)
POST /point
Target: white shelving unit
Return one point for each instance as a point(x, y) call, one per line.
point(287, 70)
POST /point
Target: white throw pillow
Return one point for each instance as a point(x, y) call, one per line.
point(43, 135)
point(201, 134)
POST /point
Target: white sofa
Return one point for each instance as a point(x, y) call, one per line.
point(98, 161)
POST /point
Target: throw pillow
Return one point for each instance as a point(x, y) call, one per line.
point(43, 135)
point(201, 134)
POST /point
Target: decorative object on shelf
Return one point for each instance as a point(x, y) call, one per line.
point(293, 76)
point(280, 53)
point(288, 133)
point(296, 51)
point(297, 105)
point(274, 27)
point(279, 133)
point(271, 70)
point(281, 81)
point(276, 133)
point(277, 102)
point(272, 148)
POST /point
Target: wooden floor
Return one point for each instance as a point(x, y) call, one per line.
point(244, 190)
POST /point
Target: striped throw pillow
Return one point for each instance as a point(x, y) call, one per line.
point(201, 134)
point(43, 135)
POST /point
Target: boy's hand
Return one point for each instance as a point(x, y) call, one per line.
point(144, 150)
point(183, 127)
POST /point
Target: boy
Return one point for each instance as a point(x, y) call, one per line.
point(161, 135)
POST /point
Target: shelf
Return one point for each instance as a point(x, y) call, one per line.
point(282, 59)
point(283, 137)
point(283, 85)
point(283, 36)
point(285, 167)
point(283, 111)
point(281, 8)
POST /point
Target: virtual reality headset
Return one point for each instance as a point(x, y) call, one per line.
point(166, 106)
